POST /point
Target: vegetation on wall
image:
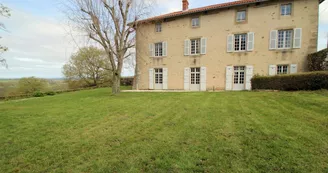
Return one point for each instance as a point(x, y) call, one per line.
point(318, 61)
point(292, 82)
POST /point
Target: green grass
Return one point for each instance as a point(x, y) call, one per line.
point(91, 131)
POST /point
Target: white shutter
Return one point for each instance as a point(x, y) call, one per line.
point(272, 70)
point(273, 39)
point(165, 76)
point(164, 45)
point(151, 50)
point(203, 46)
point(186, 78)
point(297, 38)
point(293, 68)
point(203, 78)
point(250, 41)
point(187, 47)
point(249, 76)
point(230, 45)
point(229, 78)
point(151, 78)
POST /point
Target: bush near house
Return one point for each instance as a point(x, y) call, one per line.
point(318, 61)
point(294, 82)
point(127, 81)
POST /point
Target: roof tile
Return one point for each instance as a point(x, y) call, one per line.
point(201, 9)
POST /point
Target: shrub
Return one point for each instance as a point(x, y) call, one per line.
point(127, 81)
point(38, 94)
point(50, 93)
point(318, 61)
point(31, 85)
point(292, 82)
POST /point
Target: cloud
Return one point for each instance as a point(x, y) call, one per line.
point(29, 60)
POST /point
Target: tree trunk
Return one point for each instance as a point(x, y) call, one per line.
point(116, 83)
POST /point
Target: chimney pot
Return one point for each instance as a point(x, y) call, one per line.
point(185, 5)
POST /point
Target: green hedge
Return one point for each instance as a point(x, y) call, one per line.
point(292, 82)
point(318, 61)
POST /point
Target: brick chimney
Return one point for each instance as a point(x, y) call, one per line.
point(185, 5)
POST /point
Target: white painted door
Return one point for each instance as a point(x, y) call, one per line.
point(158, 78)
point(239, 78)
point(195, 79)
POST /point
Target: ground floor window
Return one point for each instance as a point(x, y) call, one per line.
point(195, 75)
point(158, 76)
point(239, 74)
point(282, 69)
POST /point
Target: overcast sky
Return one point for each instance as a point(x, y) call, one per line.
point(39, 43)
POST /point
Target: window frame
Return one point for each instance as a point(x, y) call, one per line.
point(158, 50)
point(197, 46)
point(158, 27)
point(158, 75)
point(192, 22)
point(284, 42)
point(195, 75)
point(283, 9)
point(281, 70)
point(240, 42)
point(237, 16)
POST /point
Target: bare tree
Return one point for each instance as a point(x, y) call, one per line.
point(4, 12)
point(111, 23)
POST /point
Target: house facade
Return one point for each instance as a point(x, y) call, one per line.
point(222, 46)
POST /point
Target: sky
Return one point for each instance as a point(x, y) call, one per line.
point(40, 43)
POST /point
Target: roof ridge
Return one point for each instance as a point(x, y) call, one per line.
point(201, 9)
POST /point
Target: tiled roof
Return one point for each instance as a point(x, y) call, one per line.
point(201, 9)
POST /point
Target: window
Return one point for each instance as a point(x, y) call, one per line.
point(282, 69)
point(158, 76)
point(158, 27)
point(241, 16)
point(285, 39)
point(240, 42)
point(195, 46)
point(195, 22)
point(286, 9)
point(239, 75)
point(195, 75)
point(158, 49)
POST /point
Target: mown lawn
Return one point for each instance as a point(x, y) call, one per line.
point(91, 131)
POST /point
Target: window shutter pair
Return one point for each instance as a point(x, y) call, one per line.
point(203, 80)
point(297, 42)
point(187, 46)
point(273, 69)
point(152, 49)
point(165, 78)
point(250, 42)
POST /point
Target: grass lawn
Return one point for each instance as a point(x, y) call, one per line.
point(91, 131)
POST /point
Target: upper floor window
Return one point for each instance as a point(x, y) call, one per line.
point(195, 22)
point(286, 9)
point(158, 49)
point(282, 69)
point(241, 16)
point(158, 27)
point(240, 42)
point(285, 39)
point(195, 46)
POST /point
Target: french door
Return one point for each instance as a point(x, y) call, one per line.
point(158, 75)
point(195, 79)
point(239, 78)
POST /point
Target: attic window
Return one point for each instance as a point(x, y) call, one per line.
point(158, 27)
point(195, 22)
point(241, 16)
